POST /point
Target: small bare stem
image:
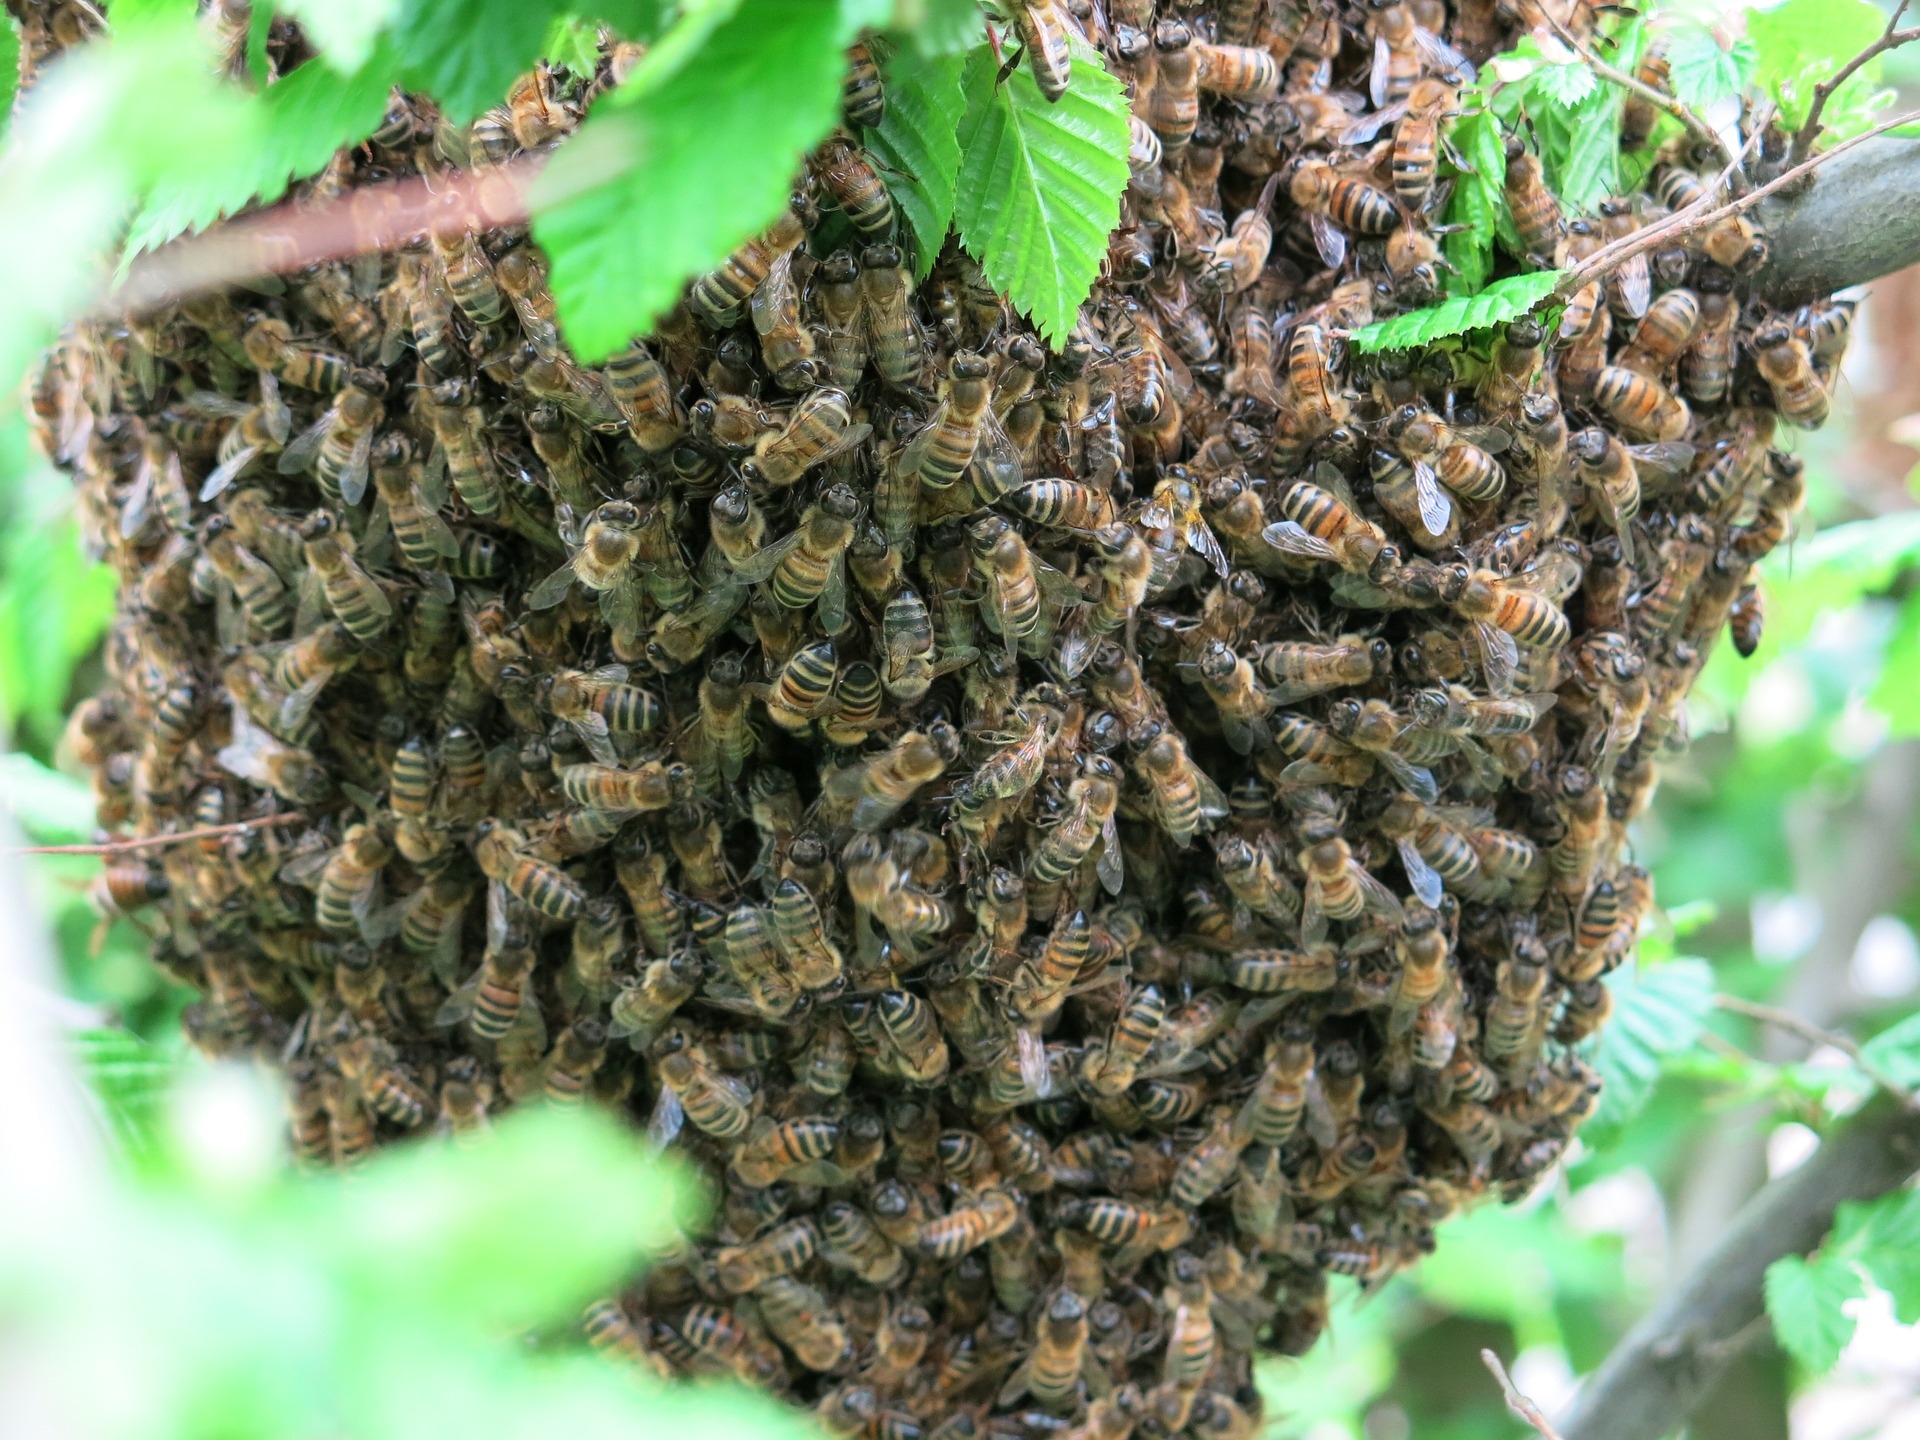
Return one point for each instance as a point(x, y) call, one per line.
point(156, 842)
point(1819, 1035)
point(1890, 39)
point(1516, 1402)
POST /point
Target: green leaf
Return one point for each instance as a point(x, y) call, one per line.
point(1803, 42)
point(9, 71)
point(303, 118)
point(692, 25)
point(1896, 694)
point(1495, 305)
point(1563, 85)
point(557, 1202)
point(698, 162)
point(1590, 169)
point(128, 1079)
point(344, 30)
point(465, 53)
point(54, 809)
point(1477, 199)
point(1896, 1050)
point(1884, 1236)
point(916, 148)
point(1804, 1300)
point(1702, 72)
point(1658, 1010)
point(1040, 184)
point(938, 27)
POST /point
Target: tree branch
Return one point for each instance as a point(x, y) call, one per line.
point(1890, 39)
point(1669, 1361)
point(1659, 99)
point(1819, 1035)
point(1856, 222)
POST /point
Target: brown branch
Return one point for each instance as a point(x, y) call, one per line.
point(1820, 1035)
point(153, 842)
point(1890, 39)
point(1670, 1360)
point(1516, 1402)
point(1692, 217)
point(1659, 99)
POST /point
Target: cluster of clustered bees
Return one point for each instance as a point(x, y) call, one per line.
point(1076, 843)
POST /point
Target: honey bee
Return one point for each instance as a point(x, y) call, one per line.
point(1785, 363)
point(355, 597)
point(818, 429)
point(270, 345)
point(502, 855)
point(885, 290)
point(853, 182)
point(1643, 408)
point(863, 97)
point(1320, 525)
point(810, 564)
point(1335, 204)
point(459, 430)
point(1536, 214)
point(1186, 799)
point(255, 431)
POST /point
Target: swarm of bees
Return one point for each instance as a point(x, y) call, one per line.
point(1076, 843)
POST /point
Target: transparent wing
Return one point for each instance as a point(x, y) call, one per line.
point(1436, 54)
point(552, 590)
point(1664, 460)
point(432, 488)
point(228, 471)
point(1416, 780)
point(1621, 526)
point(664, 1125)
point(593, 732)
point(1436, 509)
point(134, 509)
point(1328, 239)
point(1379, 75)
point(353, 476)
point(1493, 439)
point(1428, 888)
point(1112, 865)
point(1370, 125)
point(1379, 898)
point(1203, 542)
point(1499, 656)
point(301, 452)
point(1056, 586)
point(832, 605)
point(457, 1006)
point(209, 402)
point(1633, 282)
point(763, 562)
point(1289, 538)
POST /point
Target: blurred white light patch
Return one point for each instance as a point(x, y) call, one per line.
point(1626, 1203)
point(1388, 1422)
point(1784, 926)
point(1872, 1390)
point(1858, 730)
point(1789, 1147)
point(1329, 1430)
point(1779, 703)
point(1545, 1376)
point(1886, 961)
point(226, 1119)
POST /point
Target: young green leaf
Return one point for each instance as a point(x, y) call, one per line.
point(938, 27)
point(1476, 201)
point(1704, 73)
point(696, 167)
point(1884, 1235)
point(1495, 305)
point(1896, 1050)
point(915, 147)
point(1589, 169)
point(1040, 183)
point(1658, 1010)
point(128, 1080)
point(1804, 1300)
point(1563, 85)
point(465, 53)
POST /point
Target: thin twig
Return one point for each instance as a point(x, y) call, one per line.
point(1890, 39)
point(1820, 1035)
point(152, 842)
point(1659, 99)
point(1690, 218)
point(1516, 1402)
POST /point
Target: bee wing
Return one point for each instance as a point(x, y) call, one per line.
point(1035, 1073)
point(1329, 239)
point(1491, 438)
point(305, 866)
point(1203, 542)
point(1485, 771)
point(439, 534)
point(850, 438)
point(227, 471)
point(296, 707)
point(1378, 897)
point(529, 1026)
point(1313, 920)
point(432, 489)
point(1073, 652)
point(1499, 656)
point(1436, 509)
point(1370, 125)
point(1663, 461)
point(1428, 888)
point(663, 1126)
point(998, 459)
point(1437, 54)
point(832, 605)
point(1213, 800)
point(353, 478)
point(1290, 691)
point(1633, 283)
point(762, 563)
point(376, 597)
point(305, 446)
point(1552, 575)
point(457, 1006)
point(1416, 780)
point(1112, 865)
point(621, 604)
point(774, 297)
point(593, 732)
point(552, 590)
point(133, 509)
point(313, 604)
point(1289, 538)
point(1380, 75)
point(1056, 586)
point(209, 402)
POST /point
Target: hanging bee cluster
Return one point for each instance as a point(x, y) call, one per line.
point(1077, 844)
